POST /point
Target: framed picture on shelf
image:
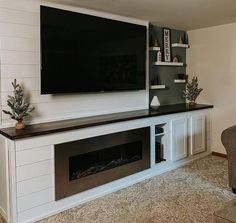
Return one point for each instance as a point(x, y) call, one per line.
point(166, 33)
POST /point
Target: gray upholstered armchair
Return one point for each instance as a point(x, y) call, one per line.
point(228, 138)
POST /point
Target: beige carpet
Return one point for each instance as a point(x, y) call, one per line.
point(188, 194)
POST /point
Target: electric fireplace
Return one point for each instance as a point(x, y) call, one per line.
point(87, 163)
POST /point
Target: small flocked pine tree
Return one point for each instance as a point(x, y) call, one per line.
point(192, 91)
point(19, 107)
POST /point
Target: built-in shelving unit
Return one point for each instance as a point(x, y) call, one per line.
point(154, 48)
point(161, 86)
point(168, 149)
point(179, 81)
point(180, 45)
point(160, 134)
point(165, 73)
point(159, 144)
point(180, 64)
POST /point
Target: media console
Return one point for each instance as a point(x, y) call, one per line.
point(47, 168)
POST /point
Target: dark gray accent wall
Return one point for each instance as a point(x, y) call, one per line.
point(173, 94)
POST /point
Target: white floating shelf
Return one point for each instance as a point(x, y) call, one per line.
point(162, 86)
point(179, 81)
point(180, 45)
point(160, 134)
point(154, 48)
point(168, 64)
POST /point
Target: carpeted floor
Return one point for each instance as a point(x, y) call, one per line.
point(187, 195)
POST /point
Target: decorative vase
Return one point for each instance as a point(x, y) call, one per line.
point(20, 125)
point(155, 103)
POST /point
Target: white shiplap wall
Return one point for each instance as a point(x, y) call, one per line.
point(20, 59)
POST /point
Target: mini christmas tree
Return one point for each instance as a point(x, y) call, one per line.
point(19, 107)
point(192, 91)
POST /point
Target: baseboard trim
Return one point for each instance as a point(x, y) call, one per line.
point(219, 154)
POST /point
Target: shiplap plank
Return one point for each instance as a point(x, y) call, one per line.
point(8, 122)
point(28, 84)
point(19, 17)
point(19, 30)
point(36, 199)
point(34, 155)
point(20, 71)
point(20, 44)
point(37, 97)
point(17, 57)
point(34, 185)
point(21, 5)
point(34, 170)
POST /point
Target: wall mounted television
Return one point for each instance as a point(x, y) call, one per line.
point(84, 53)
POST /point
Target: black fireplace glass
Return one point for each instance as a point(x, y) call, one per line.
point(86, 164)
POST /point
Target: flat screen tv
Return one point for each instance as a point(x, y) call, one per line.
point(84, 53)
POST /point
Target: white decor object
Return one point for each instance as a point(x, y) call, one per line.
point(154, 48)
point(155, 103)
point(179, 45)
point(160, 86)
point(159, 56)
point(168, 64)
point(179, 81)
point(166, 44)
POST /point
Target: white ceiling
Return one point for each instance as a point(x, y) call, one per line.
point(179, 14)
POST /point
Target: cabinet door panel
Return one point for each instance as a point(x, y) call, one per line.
point(197, 125)
point(179, 139)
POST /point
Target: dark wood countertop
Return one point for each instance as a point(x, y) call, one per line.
point(79, 123)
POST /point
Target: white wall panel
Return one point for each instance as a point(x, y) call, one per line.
point(35, 199)
point(29, 84)
point(20, 44)
point(20, 71)
point(19, 17)
point(20, 59)
point(211, 58)
point(21, 5)
point(34, 185)
point(18, 30)
point(34, 170)
point(16, 57)
point(34, 155)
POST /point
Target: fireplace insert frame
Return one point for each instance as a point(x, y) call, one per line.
point(64, 187)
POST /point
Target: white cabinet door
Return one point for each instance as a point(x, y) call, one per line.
point(198, 134)
point(179, 139)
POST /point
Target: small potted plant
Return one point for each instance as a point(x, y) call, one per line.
point(192, 91)
point(19, 107)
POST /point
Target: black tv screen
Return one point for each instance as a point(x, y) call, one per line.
point(84, 53)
